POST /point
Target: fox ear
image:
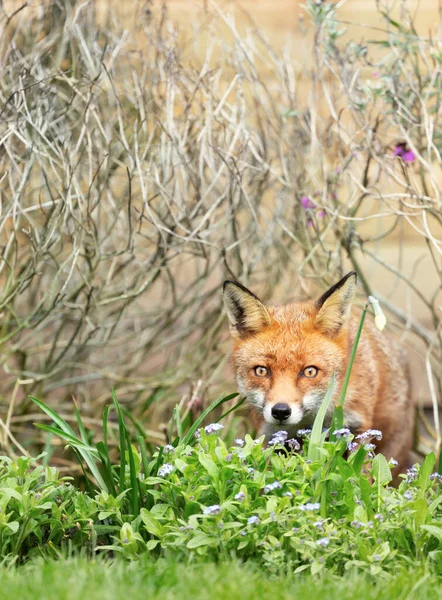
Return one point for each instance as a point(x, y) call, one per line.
point(247, 314)
point(334, 305)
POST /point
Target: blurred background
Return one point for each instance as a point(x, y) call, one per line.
point(150, 150)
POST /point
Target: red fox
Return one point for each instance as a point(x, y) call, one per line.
point(284, 357)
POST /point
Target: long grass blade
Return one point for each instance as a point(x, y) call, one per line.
point(122, 431)
point(315, 441)
point(67, 429)
point(186, 439)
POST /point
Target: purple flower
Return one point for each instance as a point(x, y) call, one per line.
point(369, 447)
point(402, 151)
point(375, 73)
point(239, 442)
point(323, 542)
point(437, 476)
point(253, 520)
point(321, 214)
point(215, 509)
point(166, 469)
point(307, 203)
point(351, 446)
point(409, 494)
point(168, 449)
point(288, 494)
point(240, 496)
point(393, 462)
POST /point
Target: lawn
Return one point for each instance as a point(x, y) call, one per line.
point(78, 579)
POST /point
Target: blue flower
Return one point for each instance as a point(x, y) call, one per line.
point(412, 473)
point(310, 506)
point(278, 438)
point(323, 542)
point(370, 434)
point(166, 469)
point(344, 432)
point(306, 431)
point(293, 444)
point(253, 520)
point(213, 428)
point(215, 509)
point(271, 486)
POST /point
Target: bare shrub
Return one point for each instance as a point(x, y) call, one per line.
point(137, 173)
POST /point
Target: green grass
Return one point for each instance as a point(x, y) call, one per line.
point(104, 580)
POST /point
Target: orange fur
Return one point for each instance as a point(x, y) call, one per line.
point(287, 339)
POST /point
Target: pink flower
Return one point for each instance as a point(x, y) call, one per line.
point(408, 156)
point(307, 203)
point(402, 151)
point(375, 73)
point(310, 223)
point(321, 214)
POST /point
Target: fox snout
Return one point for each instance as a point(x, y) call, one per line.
point(292, 414)
point(281, 411)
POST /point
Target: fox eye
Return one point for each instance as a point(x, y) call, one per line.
point(261, 371)
point(310, 371)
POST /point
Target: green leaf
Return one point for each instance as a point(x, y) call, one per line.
point(201, 539)
point(434, 530)
point(425, 471)
point(380, 470)
point(420, 511)
point(208, 464)
point(152, 524)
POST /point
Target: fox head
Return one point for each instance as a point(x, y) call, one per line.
point(284, 356)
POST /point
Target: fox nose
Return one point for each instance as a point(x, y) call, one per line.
point(281, 411)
